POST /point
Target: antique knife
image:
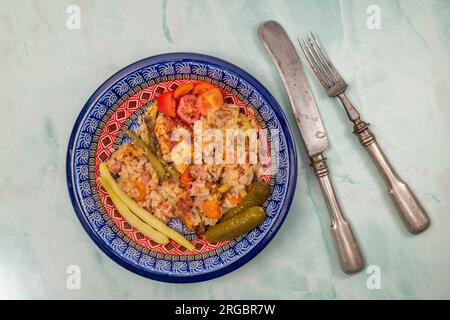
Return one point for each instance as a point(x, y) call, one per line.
point(314, 136)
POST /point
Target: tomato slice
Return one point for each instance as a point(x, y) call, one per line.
point(202, 87)
point(183, 89)
point(187, 108)
point(167, 104)
point(210, 101)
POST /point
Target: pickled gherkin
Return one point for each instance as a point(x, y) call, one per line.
point(258, 194)
point(236, 225)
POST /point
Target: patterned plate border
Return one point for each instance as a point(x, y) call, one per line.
point(134, 78)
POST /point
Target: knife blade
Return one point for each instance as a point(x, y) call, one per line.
point(280, 47)
point(278, 44)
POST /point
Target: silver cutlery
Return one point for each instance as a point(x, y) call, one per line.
point(409, 208)
point(314, 136)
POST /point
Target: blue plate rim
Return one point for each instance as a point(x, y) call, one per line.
point(291, 181)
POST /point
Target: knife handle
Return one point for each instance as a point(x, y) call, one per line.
point(411, 211)
point(347, 248)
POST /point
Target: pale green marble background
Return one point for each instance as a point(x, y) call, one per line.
point(400, 80)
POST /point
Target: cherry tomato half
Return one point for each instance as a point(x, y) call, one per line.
point(210, 101)
point(167, 104)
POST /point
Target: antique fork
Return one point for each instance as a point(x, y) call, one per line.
point(409, 208)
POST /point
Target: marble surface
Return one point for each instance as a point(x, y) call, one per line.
point(399, 78)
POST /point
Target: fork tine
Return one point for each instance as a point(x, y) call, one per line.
point(333, 72)
point(314, 64)
point(317, 62)
point(320, 62)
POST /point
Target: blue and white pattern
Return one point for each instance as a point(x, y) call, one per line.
point(82, 156)
point(134, 79)
point(132, 254)
point(212, 263)
point(166, 69)
point(228, 255)
point(99, 111)
point(85, 139)
point(109, 98)
point(91, 125)
point(150, 73)
point(121, 88)
point(147, 262)
point(82, 172)
point(106, 234)
point(244, 89)
point(231, 80)
point(82, 143)
point(182, 68)
point(179, 267)
point(119, 245)
point(96, 220)
point(242, 246)
point(163, 266)
point(199, 69)
point(180, 227)
point(196, 266)
point(215, 73)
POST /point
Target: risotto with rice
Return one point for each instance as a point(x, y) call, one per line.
point(196, 194)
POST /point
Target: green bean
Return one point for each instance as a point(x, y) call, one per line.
point(151, 156)
point(132, 219)
point(143, 214)
point(170, 169)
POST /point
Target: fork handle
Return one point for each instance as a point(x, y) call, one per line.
point(346, 246)
point(409, 208)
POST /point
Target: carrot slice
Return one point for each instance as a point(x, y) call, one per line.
point(202, 87)
point(186, 179)
point(142, 191)
point(183, 89)
point(235, 200)
point(211, 209)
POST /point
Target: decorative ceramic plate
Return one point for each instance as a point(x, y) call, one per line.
point(118, 103)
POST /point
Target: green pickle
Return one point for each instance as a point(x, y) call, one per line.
point(258, 194)
point(236, 225)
